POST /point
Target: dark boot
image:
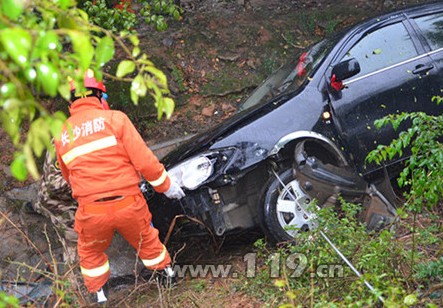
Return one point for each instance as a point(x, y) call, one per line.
point(165, 277)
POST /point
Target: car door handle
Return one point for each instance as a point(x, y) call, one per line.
point(422, 69)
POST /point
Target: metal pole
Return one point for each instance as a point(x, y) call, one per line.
point(350, 264)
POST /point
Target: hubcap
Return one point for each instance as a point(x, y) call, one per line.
point(292, 213)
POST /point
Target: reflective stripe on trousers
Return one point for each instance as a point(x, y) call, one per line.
point(95, 272)
point(155, 261)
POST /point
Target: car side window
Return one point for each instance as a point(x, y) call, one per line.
point(382, 48)
point(432, 28)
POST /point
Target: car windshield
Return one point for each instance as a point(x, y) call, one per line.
point(292, 75)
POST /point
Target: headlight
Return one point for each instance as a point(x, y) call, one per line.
point(195, 171)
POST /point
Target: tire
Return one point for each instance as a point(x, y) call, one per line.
point(282, 218)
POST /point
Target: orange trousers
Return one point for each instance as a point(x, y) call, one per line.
point(95, 225)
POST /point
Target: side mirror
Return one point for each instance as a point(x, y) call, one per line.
point(346, 69)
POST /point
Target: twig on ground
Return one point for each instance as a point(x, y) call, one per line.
point(178, 252)
point(292, 44)
point(172, 225)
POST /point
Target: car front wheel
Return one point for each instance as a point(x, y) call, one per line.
point(285, 208)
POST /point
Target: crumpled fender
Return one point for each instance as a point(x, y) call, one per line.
point(325, 182)
point(321, 180)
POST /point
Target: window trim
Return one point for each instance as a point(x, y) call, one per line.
point(435, 51)
point(425, 55)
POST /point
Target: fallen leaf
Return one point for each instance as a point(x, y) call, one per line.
point(208, 111)
point(195, 100)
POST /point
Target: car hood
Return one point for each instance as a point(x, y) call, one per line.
point(255, 131)
point(206, 140)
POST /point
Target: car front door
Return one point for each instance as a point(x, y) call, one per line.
point(394, 78)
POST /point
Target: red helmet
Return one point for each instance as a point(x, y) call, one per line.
point(90, 82)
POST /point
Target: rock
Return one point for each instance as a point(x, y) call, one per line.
point(168, 42)
point(28, 193)
point(123, 258)
point(264, 36)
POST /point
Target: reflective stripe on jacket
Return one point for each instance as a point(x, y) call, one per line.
point(101, 154)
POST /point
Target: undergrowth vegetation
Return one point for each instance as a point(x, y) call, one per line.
point(310, 273)
point(120, 15)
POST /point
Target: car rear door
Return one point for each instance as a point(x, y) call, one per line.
point(431, 27)
point(396, 76)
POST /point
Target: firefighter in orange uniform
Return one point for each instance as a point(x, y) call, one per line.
point(102, 156)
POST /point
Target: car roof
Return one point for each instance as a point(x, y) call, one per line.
point(411, 11)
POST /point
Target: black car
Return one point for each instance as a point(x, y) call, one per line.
point(306, 131)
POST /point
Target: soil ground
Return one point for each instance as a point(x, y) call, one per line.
point(214, 57)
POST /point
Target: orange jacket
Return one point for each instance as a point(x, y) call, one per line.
point(101, 154)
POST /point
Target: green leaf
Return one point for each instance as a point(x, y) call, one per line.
point(30, 162)
point(48, 41)
point(104, 51)
point(8, 90)
point(55, 127)
point(65, 91)
point(30, 74)
point(82, 46)
point(376, 51)
point(134, 40)
point(11, 122)
point(280, 283)
point(168, 106)
point(134, 97)
point(291, 295)
point(66, 22)
point(160, 24)
point(158, 74)
point(49, 78)
point(45, 44)
point(31, 110)
point(38, 136)
point(138, 86)
point(64, 4)
point(176, 14)
point(12, 8)
point(135, 52)
point(18, 168)
point(410, 300)
point(124, 68)
point(17, 43)
point(12, 105)
point(83, 14)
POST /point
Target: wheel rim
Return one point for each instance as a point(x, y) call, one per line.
point(292, 213)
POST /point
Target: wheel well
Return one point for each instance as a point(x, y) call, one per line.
point(313, 147)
